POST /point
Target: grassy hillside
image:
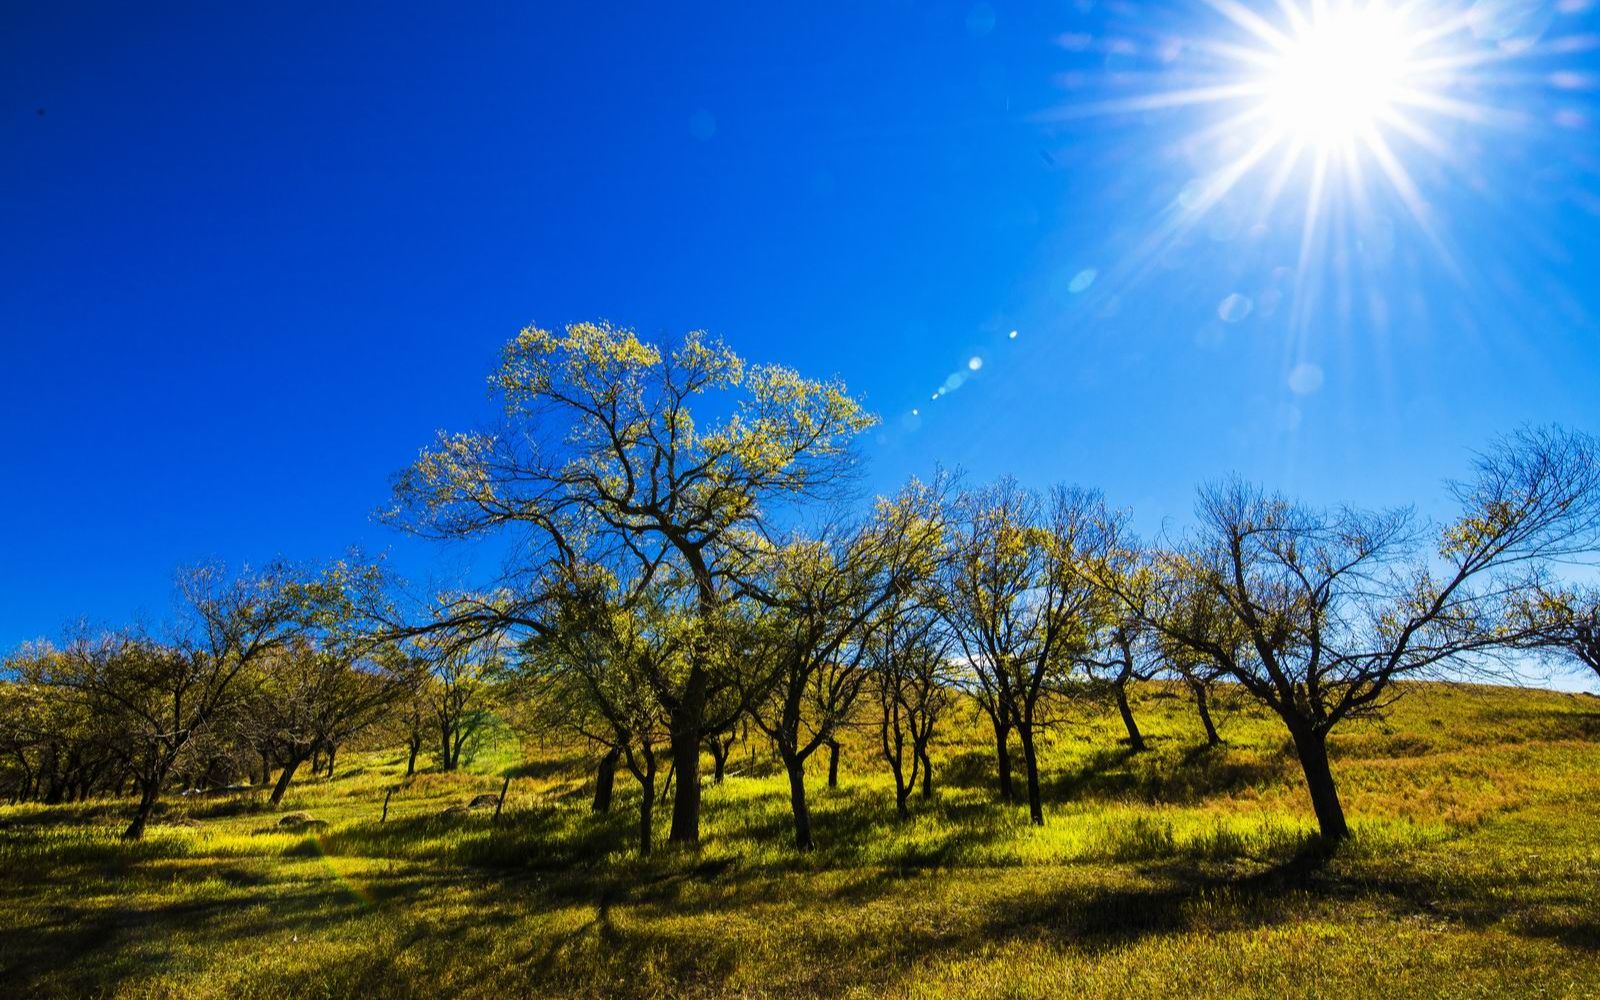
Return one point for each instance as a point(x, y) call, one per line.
point(1182, 871)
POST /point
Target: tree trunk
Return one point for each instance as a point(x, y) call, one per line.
point(797, 801)
point(1202, 701)
point(833, 763)
point(147, 803)
point(902, 792)
point(719, 759)
point(605, 780)
point(289, 767)
point(686, 723)
point(266, 768)
point(1003, 757)
point(1312, 749)
point(647, 805)
point(332, 750)
point(1135, 738)
point(411, 761)
point(1031, 761)
point(927, 773)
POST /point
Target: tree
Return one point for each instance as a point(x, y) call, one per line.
point(1022, 604)
point(910, 664)
point(1125, 654)
point(456, 690)
point(309, 697)
point(820, 599)
point(604, 646)
point(602, 455)
point(1335, 606)
point(1562, 619)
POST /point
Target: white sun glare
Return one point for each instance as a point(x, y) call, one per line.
point(1338, 74)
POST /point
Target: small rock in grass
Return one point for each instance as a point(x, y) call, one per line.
point(454, 811)
point(300, 820)
point(484, 801)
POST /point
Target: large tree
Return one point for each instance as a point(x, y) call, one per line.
point(601, 452)
point(1334, 606)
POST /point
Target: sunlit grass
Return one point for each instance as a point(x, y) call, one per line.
point(1181, 870)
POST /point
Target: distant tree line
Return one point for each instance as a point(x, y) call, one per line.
point(692, 566)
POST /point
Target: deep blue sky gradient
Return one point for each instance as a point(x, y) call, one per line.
point(253, 257)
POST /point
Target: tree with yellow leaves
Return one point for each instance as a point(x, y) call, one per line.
point(603, 458)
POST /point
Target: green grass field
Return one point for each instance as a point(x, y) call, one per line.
point(1474, 872)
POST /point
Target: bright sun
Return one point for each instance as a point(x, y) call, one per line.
point(1337, 74)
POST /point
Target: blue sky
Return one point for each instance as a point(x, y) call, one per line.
point(255, 257)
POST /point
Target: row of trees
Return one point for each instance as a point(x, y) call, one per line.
point(264, 673)
point(679, 578)
point(689, 564)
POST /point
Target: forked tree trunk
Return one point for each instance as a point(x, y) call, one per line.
point(331, 752)
point(1312, 749)
point(796, 767)
point(927, 773)
point(605, 780)
point(1135, 738)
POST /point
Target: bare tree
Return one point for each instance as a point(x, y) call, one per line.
point(1334, 606)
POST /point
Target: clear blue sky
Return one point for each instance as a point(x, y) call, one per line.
point(254, 256)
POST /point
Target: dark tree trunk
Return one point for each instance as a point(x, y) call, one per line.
point(797, 802)
point(147, 802)
point(605, 780)
point(445, 760)
point(316, 762)
point(266, 768)
point(686, 723)
point(902, 792)
point(1202, 701)
point(1135, 738)
point(332, 750)
point(1002, 751)
point(1312, 749)
point(411, 760)
point(927, 773)
point(833, 763)
point(1030, 761)
point(719, 758)
point(647, 805)
point(289, 767)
